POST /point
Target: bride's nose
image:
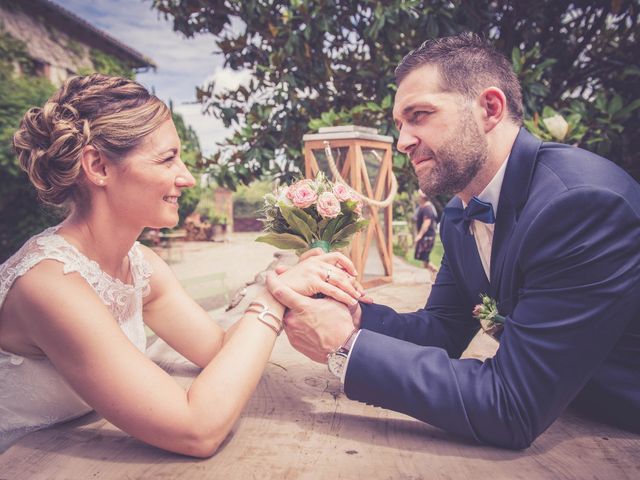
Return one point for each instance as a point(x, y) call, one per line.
point(184, 178)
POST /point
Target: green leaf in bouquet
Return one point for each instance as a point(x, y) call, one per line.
point(349, 206)
point(322, 224)
point(270, 199)
point(299, 221)
point(345, 220)
point(285, 241)
point(311, 222)
point(322, 227)
point(340, 244)
point(333, 226)
point(329, 229)
point(349, 230)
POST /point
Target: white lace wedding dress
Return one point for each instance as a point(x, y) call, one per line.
point(33, 394)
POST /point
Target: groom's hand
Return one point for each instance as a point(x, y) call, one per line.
point(314, 327)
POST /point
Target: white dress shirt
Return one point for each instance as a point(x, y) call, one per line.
point(482, 232)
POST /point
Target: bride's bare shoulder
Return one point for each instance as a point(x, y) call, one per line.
point(41, 294)
point(47, 280)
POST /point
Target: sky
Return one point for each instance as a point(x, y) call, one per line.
point(182, 63)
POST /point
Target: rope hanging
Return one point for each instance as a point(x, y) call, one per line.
point(370, 201)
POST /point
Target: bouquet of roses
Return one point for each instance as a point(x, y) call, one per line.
point(311, 213)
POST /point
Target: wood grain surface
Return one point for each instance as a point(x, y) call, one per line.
point(299, 425)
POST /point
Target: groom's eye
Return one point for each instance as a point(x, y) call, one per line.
point(419, 115)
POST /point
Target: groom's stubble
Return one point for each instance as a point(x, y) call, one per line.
point(457, 161)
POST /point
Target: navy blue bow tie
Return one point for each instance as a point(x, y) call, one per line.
point(476, 210)
point(479, 210)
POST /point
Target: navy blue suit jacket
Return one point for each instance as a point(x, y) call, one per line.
point(565, 270)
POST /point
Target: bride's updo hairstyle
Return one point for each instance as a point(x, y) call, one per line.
point(112, 114)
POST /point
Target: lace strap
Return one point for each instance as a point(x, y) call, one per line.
point(140, 269)
point(27, 257)
point(48, 246)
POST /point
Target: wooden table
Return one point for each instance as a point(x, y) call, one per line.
point(299, 425)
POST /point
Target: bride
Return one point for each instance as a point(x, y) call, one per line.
point(74, 298)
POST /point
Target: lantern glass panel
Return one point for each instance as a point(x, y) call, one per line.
point(372, 161)
point(339, 157)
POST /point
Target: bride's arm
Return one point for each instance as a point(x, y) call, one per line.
point(81, 338)
point(177, 318)
point(188, 329)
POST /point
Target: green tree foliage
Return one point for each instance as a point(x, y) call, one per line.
point(192, 157)
point(20, 213)
point(109, 65)
point(248, 200)
point(330, 62)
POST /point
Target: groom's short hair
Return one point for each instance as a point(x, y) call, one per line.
point(467, 64)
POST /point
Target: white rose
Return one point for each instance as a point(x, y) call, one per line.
point(557, 126)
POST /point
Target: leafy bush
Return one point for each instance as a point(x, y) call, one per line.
point(248, 200)
point(211, 215)
point(20, 213)
point(192, 157)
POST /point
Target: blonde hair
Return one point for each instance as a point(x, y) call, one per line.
point(113, 114)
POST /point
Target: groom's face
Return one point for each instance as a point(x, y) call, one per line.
point(439, 132)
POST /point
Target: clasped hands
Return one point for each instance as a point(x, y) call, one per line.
point(318, 326)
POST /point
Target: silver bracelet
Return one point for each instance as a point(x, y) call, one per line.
point(263, 311)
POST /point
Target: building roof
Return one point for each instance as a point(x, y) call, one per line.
point(70, 22)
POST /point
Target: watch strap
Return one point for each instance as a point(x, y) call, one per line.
point(348, 343)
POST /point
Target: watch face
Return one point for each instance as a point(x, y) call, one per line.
point(336, 362)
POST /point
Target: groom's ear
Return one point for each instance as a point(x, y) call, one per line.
point(94, 165)
point(493, 107)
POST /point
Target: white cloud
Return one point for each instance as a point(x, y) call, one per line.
point(210, 130)
point(227, 79)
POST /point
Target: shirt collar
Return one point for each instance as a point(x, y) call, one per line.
point(491, 192)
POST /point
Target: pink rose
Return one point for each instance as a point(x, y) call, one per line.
point(328, 205)
point(358, 208)
point(291, 189)
point(342, 192)
point(303, 196)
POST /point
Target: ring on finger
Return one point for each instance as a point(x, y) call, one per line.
point(328, 276)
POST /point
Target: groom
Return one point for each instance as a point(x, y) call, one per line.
point(550, 231)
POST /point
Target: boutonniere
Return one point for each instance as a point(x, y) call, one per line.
point(487, 313)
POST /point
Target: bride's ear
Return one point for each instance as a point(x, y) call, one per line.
point(94, 166)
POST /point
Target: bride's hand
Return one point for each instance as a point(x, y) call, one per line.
point(331, 274)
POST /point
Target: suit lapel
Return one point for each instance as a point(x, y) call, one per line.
point(513, 195)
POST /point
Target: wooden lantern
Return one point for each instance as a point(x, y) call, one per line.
point(363, 159)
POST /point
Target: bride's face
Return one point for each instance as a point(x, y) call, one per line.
point(150, 180)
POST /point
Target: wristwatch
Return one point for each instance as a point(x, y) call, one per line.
point(337, 359)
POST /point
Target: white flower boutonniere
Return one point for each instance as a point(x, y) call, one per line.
point(487, 313)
